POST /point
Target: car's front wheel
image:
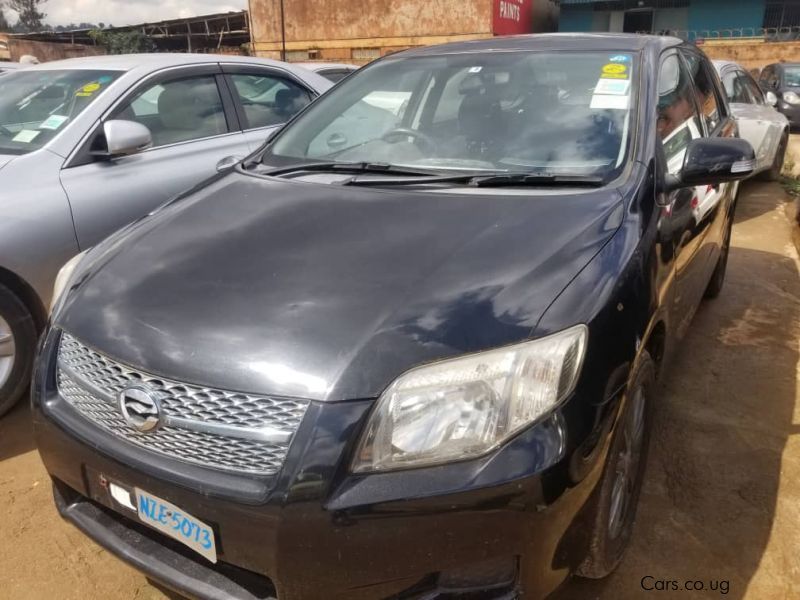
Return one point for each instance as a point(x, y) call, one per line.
point(616, 499)
point(774, 172)
point(17, 348)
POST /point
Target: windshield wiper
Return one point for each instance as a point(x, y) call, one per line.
point(494, 180)
point(349, 167)
point(536, 179)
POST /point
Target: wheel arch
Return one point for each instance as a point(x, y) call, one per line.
point(26, 294)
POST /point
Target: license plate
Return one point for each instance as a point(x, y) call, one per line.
point(176, 523)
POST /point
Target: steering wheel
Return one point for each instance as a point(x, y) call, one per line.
point(401, 132)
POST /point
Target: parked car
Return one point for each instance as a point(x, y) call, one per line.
point(419, 365)
point(781, 84)
point(335, 72)
point(89, 145)
point(759, 123)
point(8, 67)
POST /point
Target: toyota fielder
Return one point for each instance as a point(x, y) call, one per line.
point(408, 349)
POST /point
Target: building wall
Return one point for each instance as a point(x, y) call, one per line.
point(334, 27)
point(753, 54)
point(46, 51)
point(725, 14)
point(700, 15)
point(361, 30)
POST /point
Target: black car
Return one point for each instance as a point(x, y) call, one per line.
point(783, 81)
point(408, 349)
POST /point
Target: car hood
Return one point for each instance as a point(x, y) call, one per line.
point(329, 292)
point(5, 159)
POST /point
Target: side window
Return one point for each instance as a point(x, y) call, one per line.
point(734, 88)
point(269, 100)
point(704, 89)
point(769, 78)
point(678, 120)
point(755, 92)
point(178, 111)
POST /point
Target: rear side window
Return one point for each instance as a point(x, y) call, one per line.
point(752, 88)
point(705, 90)
point(269, 100)
point(179, 111)
point(678, 120)
point(735, 89)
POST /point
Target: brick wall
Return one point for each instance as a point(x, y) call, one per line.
point(753, 54)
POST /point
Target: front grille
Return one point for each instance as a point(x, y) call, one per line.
point(208, 427)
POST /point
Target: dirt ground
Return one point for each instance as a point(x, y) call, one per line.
point(721, 502)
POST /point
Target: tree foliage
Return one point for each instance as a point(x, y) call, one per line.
point(123, 42)
point(30, 18)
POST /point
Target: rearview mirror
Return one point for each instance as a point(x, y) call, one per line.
point(711, 161)
point(771, 98)
point(126, 137)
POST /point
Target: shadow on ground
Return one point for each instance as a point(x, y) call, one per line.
point(16, 433)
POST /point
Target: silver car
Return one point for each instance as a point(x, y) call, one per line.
point(8, 67)
point(88, 145)
point(765, 128)
point(335, 72)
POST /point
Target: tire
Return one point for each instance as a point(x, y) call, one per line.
point(615, 501)
point(718, 277)
point(17, 335)
point(774, 172)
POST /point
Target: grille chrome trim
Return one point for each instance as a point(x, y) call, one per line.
point(260, 434)
point(231, 431)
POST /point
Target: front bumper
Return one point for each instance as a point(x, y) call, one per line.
point(509, 522)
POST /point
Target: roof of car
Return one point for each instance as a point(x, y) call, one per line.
point(129, 62)
point(723, 64)
point(10, 65)
point(319, 66)
point(613, 42)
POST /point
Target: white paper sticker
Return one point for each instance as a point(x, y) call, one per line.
point(617, 87)
point(26, 136)
point(609, 101)
point(475, 69)
point(53, 122)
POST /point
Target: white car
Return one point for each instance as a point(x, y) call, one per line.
point(334, 72)
point(765, 128)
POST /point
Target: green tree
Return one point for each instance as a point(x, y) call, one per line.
point(123, 42)
point(30, 19)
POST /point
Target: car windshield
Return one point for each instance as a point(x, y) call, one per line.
point(791, 76)
point(36, 105)
point(553, 112)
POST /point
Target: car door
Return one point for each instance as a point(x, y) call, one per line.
point(689, 108)
point(772, 123)
point(749, 111)
point(266, 98)
point(194, 126)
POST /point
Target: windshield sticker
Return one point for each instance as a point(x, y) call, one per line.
point(26, 136)
point(88, 90)
point(475, 69)
point(605, 101)
point(54, 122)
point(620, 58)
point(614, 71)
point(615, 87)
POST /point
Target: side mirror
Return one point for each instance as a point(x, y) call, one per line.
point(711, 161)
point(771, 98)
point(228, 163)
point(124, 138)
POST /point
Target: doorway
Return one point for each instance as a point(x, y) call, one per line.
point(638, 20)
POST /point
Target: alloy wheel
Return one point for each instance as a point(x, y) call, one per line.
point(627, 463)
point(7, 351)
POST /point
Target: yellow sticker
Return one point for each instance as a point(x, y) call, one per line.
point(614, 69)
point(614, 76)
point(90, 88)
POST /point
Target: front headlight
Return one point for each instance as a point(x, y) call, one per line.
point(791, 98)
point(63, 279)
point(464, 407)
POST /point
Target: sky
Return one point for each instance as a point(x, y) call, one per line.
point(129, 12)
